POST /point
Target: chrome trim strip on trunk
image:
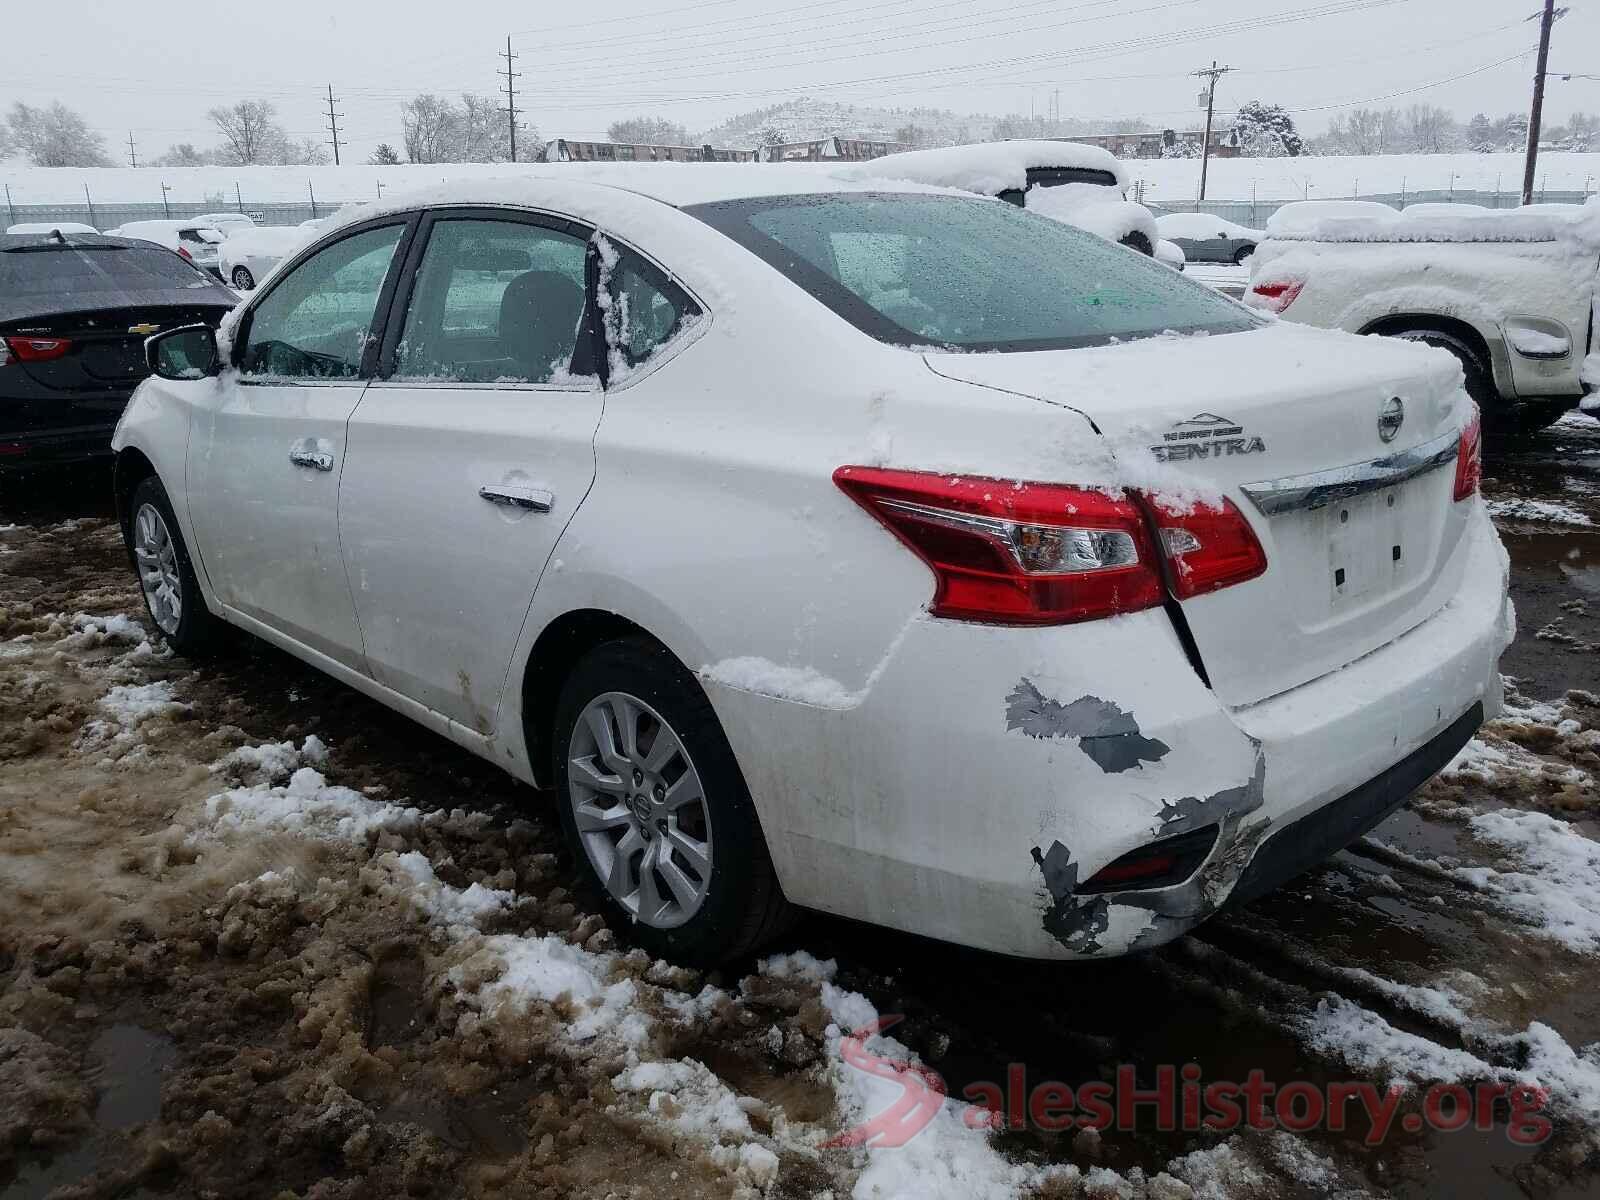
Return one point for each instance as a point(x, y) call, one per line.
point(1295, 492)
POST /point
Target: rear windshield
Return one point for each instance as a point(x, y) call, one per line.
point(75, 271)
point(968, 274)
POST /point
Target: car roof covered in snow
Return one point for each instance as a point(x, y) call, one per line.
point(988, 168)
point(1369, 221)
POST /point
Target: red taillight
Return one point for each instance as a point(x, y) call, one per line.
point(186, 255)
point(35, 349)
point(1469, 457)
point(1275, 295)
point(1209, 547)
point(1015, 553)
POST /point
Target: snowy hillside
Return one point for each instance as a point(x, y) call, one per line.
point(807, 119)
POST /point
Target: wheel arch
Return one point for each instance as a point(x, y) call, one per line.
point(130, 468)
point(554, 653)
point(1465, 332)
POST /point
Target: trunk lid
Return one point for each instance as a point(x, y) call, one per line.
point(1281, 421)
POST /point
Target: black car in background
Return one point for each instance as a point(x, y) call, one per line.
point(75, 310)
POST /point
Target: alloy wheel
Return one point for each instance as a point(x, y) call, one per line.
point(640, 809)
point(157, 559)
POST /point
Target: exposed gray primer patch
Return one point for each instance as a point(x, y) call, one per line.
point(1078, 922)
point(1106, 733)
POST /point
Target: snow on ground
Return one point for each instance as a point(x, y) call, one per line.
point(1519, 508)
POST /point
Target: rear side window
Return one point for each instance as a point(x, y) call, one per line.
point(72, 272)
point(968, 274)
point(494, 301)
point(642, 308)
point(316, 321)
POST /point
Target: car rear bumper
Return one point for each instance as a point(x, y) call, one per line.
point(986, 774)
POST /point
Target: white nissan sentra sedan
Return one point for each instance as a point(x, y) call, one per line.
point(836, 544)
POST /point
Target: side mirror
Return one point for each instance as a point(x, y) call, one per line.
point(186, 353)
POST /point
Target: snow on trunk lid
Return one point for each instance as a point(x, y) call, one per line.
point(1339, 452)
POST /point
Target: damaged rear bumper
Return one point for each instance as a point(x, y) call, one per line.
point(988, 774)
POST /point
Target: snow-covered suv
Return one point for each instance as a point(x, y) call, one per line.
point(1510, 293)
point(1079, 185)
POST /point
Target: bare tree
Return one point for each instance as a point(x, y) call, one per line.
point(648, 131)
point(184, 154)
point(248, 131)
point(55, 136)
point(429, 125)
point(384, 156)
point(5, 141)
point(1431, 130)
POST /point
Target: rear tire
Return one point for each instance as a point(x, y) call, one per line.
point(1138, 241)
point(1242, 255)
point(243, 280)
point(690, 879)
point(172, 596)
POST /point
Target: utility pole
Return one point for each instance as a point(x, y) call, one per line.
point(1546, 19)
point(1210, 74)
point(133, 157)
point(510, 90)
point(333, 126)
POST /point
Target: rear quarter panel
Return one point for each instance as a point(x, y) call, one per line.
point(1353, 285)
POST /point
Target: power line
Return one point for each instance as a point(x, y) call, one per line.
point(333, 126)
point(510, 90)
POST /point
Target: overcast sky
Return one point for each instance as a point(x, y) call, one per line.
point(155, 66)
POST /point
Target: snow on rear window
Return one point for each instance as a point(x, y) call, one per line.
point(967, 274)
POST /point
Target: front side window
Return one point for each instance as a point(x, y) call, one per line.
point(315, 324)
point(643, 308)
point(494, 302)
point(950, 272)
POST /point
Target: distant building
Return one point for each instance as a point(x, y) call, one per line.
point(1153, 144)
point(830, 149)
point(568, 150)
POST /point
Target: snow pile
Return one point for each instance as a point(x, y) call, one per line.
point(116, 629)
point(271, 762)
point(1558, 890)
point(547, 969)
point(129, 708)
point(307, 805)
point(1366, 1041)
point(988, 168)
point(1517, 508)
point(451, 907)
point(1504, 763)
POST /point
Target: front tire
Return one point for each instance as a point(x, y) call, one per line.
point(243, 280)
point(166, 575)
point(1242, 255)
point(656, 810)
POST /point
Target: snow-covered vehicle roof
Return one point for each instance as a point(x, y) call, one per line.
point(1200, 226)
point(988, 167)
point(1369, 221)
point(51, 227)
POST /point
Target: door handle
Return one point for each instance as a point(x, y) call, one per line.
point(513, 496)
point(318, 460)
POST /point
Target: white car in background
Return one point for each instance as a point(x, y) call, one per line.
point(999, 611)
point(248, 254)
point(1078, 185)
point(227, 223)
point(51, 227)
point(195, 242)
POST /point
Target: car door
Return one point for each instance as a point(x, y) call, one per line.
point(264, 460)
point(471, 452)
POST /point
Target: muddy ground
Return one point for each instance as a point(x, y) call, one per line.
point(224, 974)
